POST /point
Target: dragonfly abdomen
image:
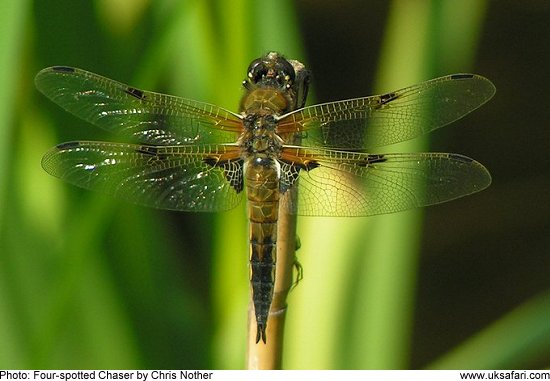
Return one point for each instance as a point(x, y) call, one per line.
point(262, 183)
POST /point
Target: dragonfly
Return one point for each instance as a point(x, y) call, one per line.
point(185, 155)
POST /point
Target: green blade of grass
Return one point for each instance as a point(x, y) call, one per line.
point(417, 39)
point(519, 336)
point(12, 34)
point(12, 31)
point(357, 299)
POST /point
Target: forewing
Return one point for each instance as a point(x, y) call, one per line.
point(379, 120)
point(183, 178)
point(342, 183)
point(142, 116)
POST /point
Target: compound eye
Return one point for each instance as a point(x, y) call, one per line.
point(256, 71)
point(272, 70)
point(288, 71)
point(253, 64)
point(285, 73)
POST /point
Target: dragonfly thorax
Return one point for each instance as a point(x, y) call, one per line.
point(266, 101)
point(259, 137)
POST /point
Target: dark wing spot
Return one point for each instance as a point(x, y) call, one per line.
point(462, 158)
point(232, 170)
point(291, 172)
point(211, 161)
point(289, 175)
point(153, 151)
point(135, 92)
point(386, 98)
point(462, 76)
point(148, 150)
point(311, 164)
point(372, 159)
point(68, 145)
point(64, 69)
point(377, 159)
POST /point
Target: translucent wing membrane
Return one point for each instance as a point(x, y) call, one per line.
point(143, 116)
point(359, 184)
point(379, 120)
point(167, 177)
point(181, 164)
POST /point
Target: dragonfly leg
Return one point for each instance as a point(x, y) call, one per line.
point(299, 273)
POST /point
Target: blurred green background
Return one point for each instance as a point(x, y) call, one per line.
point(89, 282)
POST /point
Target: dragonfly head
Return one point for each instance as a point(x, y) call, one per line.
point(273, 72)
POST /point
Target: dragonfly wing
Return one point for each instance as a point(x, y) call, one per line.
point(339, 183)
point(379, 120)
point(143, 116)
point(187, 178)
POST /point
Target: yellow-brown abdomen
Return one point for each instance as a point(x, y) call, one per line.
point(262, 183)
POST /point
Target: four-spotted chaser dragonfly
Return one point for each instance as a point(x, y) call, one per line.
point(192, 156)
